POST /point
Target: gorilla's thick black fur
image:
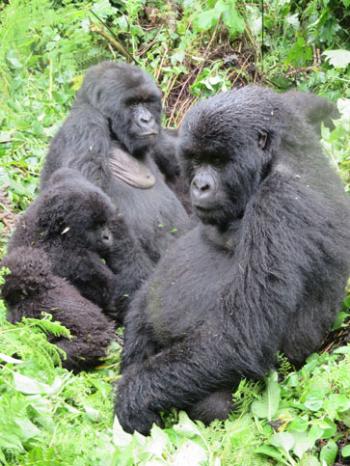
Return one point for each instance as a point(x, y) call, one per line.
point(75, 223)
point(165, 154)
point(31, 288)
point(263, 272)
point(119, 107)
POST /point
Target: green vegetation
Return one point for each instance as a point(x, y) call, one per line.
point(196, 48)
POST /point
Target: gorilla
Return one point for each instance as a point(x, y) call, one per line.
point(76, 225)
point(31, 288)
point(165, 154)
point(108, 137)
point(264, 271)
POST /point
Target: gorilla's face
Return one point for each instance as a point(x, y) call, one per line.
point(130, 101)
point(76, 212)
point(226, 151)
point(138, 121)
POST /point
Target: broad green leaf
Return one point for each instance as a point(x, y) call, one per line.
point(268, 405)
point(120, 437)
point(342, 350)
point(158, 441)
point(283, 440)
point(186, 427)
point(272, 452)
point(345, 452)
point(309, 460)
point(339, 58)
point(303, 443)
point(298, 425)
point(206, 20)
point(293, 20)
point(329, 453)
point(329, 428)
point(300, 53)
point(313, 405)
point(189, 454)
point(232, 19)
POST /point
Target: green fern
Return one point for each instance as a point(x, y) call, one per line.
point(48, 326)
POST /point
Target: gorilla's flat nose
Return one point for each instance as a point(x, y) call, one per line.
point(146, 122)
point(202, 187)
point(201, 184)
point(146, 117)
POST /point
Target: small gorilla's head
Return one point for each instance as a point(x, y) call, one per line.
point(129, 99)
point(75, 211)
point(230, 142)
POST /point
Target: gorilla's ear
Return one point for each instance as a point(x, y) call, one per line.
point(316, 109)
point(264, 140)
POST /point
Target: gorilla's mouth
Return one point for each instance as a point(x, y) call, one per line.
point(205, 210)
point(149, 134)
point(217, 215)
point(205, 213)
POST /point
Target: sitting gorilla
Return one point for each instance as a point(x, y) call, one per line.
point(264, 271)
point(31, 288)
point(75, 223)
point(108, 137)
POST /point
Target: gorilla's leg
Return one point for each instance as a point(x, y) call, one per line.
point(217, 405)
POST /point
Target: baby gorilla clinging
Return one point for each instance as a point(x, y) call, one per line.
point(75, 223)
point(263, 272)
point(32, 288)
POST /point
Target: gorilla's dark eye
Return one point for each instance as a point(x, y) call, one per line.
point(217, 160)
point(264, 140)
point(186, 154)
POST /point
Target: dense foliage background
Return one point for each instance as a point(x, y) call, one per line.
point(193, 49)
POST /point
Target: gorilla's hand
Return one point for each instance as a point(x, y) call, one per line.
point(132, 407)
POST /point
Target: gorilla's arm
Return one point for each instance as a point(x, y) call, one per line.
point(276, 256)
point(164, 154)
point(130, 265)
point(93, 278)
point(82, 143)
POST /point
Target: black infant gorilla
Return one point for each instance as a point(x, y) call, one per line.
point(108, 137)
point(31, 288)
point(75, 223)
point(264, 271)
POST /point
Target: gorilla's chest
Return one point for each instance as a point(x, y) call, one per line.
point(153, 213)
point(187, 289)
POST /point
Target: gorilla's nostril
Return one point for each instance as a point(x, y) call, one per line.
point(202, 186)
point(205, 187)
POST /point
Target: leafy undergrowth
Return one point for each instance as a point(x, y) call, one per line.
point(49, 416)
